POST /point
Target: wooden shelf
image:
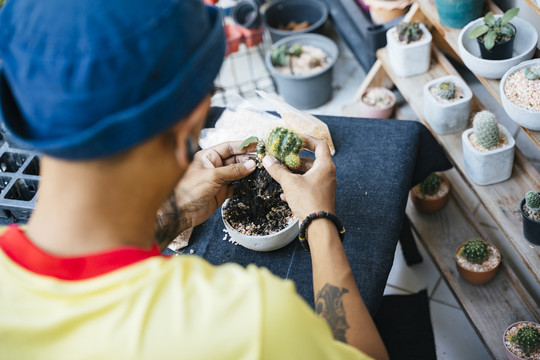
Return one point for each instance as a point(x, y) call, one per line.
point(533, 5)
point(500, 200)
point(449, 36)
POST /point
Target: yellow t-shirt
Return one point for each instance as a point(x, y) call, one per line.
point(153, 308)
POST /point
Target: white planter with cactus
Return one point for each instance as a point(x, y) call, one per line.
point(409, 48)
point(488, 150)
point(447, 104)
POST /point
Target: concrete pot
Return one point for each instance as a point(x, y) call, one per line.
point(527, 118)
point(488, 167)
point(372, 112)
point(531, 228)
point(409, 59)
point(475, 277)
point(510, 355)
point(262, 243)
point(450, 117)
point(524, 48)
point(309, 91)
point(458, 13)
point(283, 12)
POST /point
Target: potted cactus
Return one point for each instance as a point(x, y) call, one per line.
point(431, 194)
point(530, 211)
point(377, 103)
point(496, 35)
point(255, 216)
point(488, 150)
point(409, 48)
point(522, 341)
point(477, 261)
point(447, 104)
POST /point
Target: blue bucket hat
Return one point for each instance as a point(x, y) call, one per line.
point(86, 79)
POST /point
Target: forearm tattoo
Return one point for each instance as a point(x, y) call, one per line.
point(329, 305)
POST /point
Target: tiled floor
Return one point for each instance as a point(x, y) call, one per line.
point(454, 336)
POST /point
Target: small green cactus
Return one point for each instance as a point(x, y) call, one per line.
point(446, 90)
point(280, 56)
point(409, 31)
point(486, 129)
point(431, 184)
point(532, 199)
point(528, 339)
point(283, 144)
point(475, 251)
point(532, 74)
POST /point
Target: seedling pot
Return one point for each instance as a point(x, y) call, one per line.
point(373, 112)
point(409, 59)
point(430, 204)
point(509, 354)
point(531, 228)
point(246, 14)
point(475, 277)
point(500, 51)
point(458, 13)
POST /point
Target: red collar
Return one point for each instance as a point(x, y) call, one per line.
point(22, 251)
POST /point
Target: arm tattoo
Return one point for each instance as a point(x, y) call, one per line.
point(328, 304)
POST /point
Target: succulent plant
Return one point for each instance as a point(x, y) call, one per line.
point(532, 199)
point(495, 31)
point(446, 90)
point(528, 339)
point(532, 74)
point(280, 55)
point(431, 184)
point(409, 31)
point(284, 144)
point(486, 129)
point(475, 251)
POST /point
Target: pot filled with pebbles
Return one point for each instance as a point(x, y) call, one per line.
point(255, 216)
point(431, 194)
point(477, 261)
point(520, 94)
point(530, 211)
point(377, 103)
point(522, 341)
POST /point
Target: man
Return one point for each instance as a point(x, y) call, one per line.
point(113, 93)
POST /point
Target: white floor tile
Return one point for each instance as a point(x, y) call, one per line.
point(454, 336)
point(416, 277)
point(444, 295)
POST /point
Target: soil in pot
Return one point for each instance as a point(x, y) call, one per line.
point(511, 343)
point(431, 195)
point(478, 272)
point(300, 60)
point(522, 91)
point(503, 48)
point(256, 207)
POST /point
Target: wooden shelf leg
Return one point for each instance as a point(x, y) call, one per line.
point(408, 245)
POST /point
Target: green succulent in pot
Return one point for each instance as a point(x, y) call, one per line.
point(493, 30)
point(446, 90)
point(532, 74)
point(409, 31)
point(475, 251)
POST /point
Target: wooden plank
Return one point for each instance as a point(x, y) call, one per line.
point(451, 35)
point(533, 5)
point(376, 77)
point(490, 307)
point(500, 200)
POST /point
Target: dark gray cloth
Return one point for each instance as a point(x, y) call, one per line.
point(377, 162)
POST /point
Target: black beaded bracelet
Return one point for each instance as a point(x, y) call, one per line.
point(317, 215)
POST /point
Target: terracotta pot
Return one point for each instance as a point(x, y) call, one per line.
point(509, 354)
point(233, 37)
point(476, 277)
point(368, 111)
point(251, 37)
point(382, 11)
point(427, 203)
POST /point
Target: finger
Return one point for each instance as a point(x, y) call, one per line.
point(283, 197)
point(238, 159)
point(234, 171)
point(277, 170)
point(214, 156)
point(319, 147)
point(305, 164)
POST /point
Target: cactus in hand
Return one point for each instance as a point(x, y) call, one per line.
point(475, 251)
point(528, 339)
point(431, 184)
point(532, 199)
point(486, 129)
point(409, 31)
point(285, 145)
point(446, 90)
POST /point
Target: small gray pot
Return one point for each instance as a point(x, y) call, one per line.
point(488, 167)
point(409, 59)
point(450, 117)
point(310, 91)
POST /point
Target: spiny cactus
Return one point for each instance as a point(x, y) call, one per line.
point(283, 144)
point(486, 129)
point(475, 251)
point(446, 90)
point(528, 339)
point(532, 199)
point(431, 184)
point(409, 31)
point(532, 74)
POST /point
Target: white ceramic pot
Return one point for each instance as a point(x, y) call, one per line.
point(527, 118)
point(488, 167)
point(449, 117)
point(409, 59)
point(524, 48)
point(264, 242)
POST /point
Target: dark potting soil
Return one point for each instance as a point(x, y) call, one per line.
point(256, 207)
